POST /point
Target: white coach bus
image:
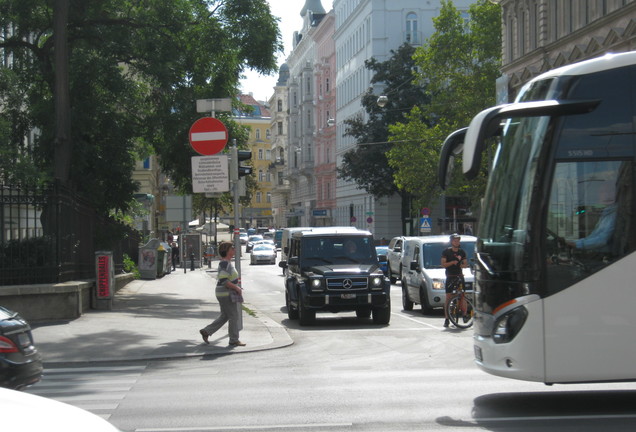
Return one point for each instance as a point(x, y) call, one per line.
point(555, 268)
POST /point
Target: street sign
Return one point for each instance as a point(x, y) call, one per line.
point(208, 136)
point(425, 224)
point(210, 174)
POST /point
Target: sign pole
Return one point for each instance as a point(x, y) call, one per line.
point(235, 193)
point(237, 237)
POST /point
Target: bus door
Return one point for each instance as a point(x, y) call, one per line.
point(590, 288)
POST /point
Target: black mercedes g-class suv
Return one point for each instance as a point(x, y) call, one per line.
point(335, 270)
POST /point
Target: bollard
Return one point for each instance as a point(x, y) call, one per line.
point(192, 261)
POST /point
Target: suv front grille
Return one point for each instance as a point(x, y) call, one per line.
point(347, 283)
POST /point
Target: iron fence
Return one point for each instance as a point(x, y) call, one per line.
point(50, 235)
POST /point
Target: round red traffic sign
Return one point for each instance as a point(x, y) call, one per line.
point(208, 136)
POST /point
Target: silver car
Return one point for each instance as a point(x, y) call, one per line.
point(263, 253)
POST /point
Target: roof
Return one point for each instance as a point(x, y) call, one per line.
point(259, 109)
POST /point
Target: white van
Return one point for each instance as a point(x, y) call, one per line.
point(423, 277)
point(286, 239)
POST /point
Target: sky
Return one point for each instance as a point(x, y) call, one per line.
point(262, 87)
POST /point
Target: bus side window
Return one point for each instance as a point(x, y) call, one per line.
point(589, 219)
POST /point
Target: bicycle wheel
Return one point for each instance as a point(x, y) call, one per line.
point(459, 317)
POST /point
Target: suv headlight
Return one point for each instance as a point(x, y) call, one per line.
point(376, 282)
point(315, 284)
point(439, 284)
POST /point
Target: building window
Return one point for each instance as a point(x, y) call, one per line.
point(259, 197)
point(268, 134)
point(268, 154)
point(280, 128)
point(411, 28)
point(258, 134)
point(280, 105)
point(327, 85)
point(269, 197)
point(260, 154)
point(261, 175)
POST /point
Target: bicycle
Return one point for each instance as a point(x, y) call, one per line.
point(460, 310)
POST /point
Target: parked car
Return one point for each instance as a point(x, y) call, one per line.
point(251, 240)
point(394, 258)
point(20, 362)
point(263, 253)
point(30, 413)
point(423, 277)
point(243, 238)
point(382, 251)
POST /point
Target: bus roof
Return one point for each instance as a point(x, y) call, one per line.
point(598, 64)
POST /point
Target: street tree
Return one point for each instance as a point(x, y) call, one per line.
point(457, 67)
point(135, 70)
point(367, 163)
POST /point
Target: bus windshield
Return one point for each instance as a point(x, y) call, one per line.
point(503, 232)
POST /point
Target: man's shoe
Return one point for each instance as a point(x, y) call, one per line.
point(237, 343)
point(446, 322)
point(205, 336)
point(466, 318)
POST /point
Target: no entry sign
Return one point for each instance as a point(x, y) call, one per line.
point(208, 136)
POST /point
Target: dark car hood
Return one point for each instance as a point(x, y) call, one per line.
point(344, 269)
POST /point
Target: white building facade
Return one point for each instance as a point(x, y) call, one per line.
point(371, 29)
point(362, 29)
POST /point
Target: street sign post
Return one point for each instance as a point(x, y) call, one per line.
point(210, 174)
point(208, 136)
point(425, 224)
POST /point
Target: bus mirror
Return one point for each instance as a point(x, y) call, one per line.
point(453, 145)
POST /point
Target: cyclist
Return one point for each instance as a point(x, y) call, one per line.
point(453, 260)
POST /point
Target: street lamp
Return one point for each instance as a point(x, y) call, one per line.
point(382, 101)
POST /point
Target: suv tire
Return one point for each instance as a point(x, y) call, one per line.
point(291, 312)
point(382, 315)
point(305, 316)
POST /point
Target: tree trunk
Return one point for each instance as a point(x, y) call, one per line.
point(63, 145)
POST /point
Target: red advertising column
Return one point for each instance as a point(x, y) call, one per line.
point(104, 280)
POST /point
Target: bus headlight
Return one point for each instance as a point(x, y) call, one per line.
point(508, 325)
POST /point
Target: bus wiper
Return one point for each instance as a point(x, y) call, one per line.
point(483, 264)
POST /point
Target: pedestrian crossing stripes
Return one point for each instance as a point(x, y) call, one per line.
point(98, 389)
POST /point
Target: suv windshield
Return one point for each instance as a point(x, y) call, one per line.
point(341, 249)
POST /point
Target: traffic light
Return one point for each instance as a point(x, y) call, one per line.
point(242, 156)
point(236, 169)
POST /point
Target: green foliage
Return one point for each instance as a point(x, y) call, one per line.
point(135, 72)
point(131, 267)
point(367, 164)
point(458, 67)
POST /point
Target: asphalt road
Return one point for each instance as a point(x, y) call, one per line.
point(343, 374)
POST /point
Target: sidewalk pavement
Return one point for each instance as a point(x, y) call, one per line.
point(155, 319)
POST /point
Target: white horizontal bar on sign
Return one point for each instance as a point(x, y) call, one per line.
point(208, 136)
